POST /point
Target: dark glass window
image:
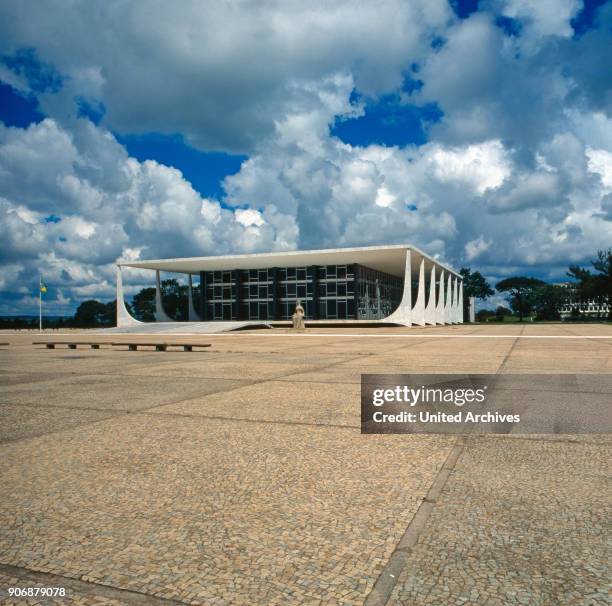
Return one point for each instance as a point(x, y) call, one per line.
point(335, 294)
point(379, 294)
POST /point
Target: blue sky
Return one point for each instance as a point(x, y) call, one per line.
point(479, 131)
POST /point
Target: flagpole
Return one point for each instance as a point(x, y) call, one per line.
point(40, 304)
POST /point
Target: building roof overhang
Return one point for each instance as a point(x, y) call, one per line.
point(389, 259)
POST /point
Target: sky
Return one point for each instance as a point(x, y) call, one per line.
point(480, 132)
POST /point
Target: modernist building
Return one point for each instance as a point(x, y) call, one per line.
point(392, 284)
point(573, 304)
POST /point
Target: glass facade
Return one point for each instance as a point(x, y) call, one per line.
point(379, 294)
point(329, 292)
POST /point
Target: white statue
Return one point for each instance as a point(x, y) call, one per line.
point(298, 317)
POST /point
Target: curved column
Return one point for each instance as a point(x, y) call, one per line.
point(461, 302)
point(124, 318)
point(192, 314)
point(440, 305)
point(430, 310)
point(403, 314)
point(456, 317)
point(454, 300)
point(448, 306)
point(160, 314)
point(418, 311)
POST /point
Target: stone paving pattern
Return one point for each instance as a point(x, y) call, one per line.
point(237, 475)
point(527, 523)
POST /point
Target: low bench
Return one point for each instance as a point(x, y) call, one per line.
point(161, 346)
point(70, 344)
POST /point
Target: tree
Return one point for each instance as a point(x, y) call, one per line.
point(174, 300)
point(474, 285)
point(595, 287)
point(522, 293)
point(143, 304)
point(483, 315)
point(501, 312)
point(92, 313)
point(548, 300)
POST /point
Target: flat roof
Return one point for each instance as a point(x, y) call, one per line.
point(389, 259)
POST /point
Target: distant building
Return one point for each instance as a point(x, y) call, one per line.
point(392, 284)
point(590, 308)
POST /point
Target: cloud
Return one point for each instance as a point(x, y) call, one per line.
point(221, 72)
point(106, 205)
point(600, 162)
point(606, 206)
point(350, 195)
point(529, 190)
point(475, 248)
point(514, 176)
point(249, 217)
point(481, 167)
point(489, 88)
point(542, 18)
point(587, 62)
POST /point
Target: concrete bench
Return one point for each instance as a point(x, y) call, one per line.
point(70, 344)
point(161, 346)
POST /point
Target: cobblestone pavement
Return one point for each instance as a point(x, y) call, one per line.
point(521, 522)
point(238, 475)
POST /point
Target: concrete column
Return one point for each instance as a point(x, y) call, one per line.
point(418, 311)
point(403, 314)
point(274, 307)
point(451, 300)
point(160, 314)
point(456, 301)
point(448, 306)
point(472, 309)
point(430, 310)
point(123, 315)
point(236, 291)
point(440, 305)
point(203, 294)
point(461, 302)
point(314, 311)
point(191, 312)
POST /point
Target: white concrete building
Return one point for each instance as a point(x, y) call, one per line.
point(382, 284)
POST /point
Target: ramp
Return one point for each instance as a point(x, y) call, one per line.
point(185, 328)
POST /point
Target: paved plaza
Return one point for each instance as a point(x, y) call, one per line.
point(238, 474)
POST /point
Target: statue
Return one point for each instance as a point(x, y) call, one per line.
point(298, 317)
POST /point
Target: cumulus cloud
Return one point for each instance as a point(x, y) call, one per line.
point(475, 248)
point(71, 218)
point(514, 177)
point(542, 18)
point(600, 162)
point(481, 167)
point(220, 72)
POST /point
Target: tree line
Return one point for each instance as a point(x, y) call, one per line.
point(98, 314)
point(526, 297)
point(534, 298)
